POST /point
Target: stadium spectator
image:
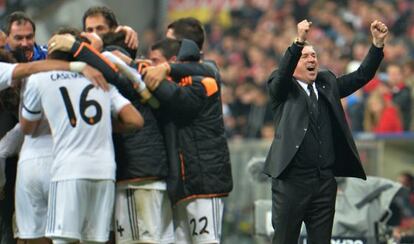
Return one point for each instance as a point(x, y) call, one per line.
point(407, 180)
point(381, 115)
point(400, 92)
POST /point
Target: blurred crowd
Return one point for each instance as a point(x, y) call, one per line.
point(249, 49)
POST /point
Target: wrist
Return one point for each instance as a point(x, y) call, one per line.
point(77, 66)
point(379, 44)
point(299, 41)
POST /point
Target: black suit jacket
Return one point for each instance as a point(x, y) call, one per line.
point(292, 119)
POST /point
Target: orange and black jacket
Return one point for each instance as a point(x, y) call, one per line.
point(83, 51)
point(140, 155)
point(199, 162)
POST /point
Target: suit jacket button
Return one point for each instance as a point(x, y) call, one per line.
point(297, 146)
point(305, 129)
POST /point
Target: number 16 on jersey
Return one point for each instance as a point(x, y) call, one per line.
point(84, 104)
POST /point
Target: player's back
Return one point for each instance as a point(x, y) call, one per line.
point(79, 116)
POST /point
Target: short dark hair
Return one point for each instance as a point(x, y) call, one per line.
point(168, 47)
point(20, 18)
point(61, 55)
point(106, 12)
point(116, 40)
point(188, 28)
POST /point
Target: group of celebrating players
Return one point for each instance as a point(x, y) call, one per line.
point(110, 143)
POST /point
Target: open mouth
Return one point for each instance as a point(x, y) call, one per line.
point(310, 69)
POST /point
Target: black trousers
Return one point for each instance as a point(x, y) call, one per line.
point(308, 200)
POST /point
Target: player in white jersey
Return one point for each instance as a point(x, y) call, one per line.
point(32, 180)
point(82, 192)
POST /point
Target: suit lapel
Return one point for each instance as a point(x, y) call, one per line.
point(323, 90)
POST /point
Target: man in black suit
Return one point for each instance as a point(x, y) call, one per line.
point(312, 143)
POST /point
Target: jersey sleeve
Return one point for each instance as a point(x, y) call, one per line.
point(31, 105)
point(117, 100)
point(6, 75)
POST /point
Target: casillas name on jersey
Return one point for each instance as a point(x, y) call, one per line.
point(64, 75)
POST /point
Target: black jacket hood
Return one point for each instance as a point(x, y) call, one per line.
point(189, 51)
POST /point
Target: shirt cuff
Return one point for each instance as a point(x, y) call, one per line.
point(30, 114)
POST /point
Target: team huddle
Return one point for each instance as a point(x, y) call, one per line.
point(110, 143)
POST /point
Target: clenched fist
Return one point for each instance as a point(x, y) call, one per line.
point(379, 32)
point(303, 30)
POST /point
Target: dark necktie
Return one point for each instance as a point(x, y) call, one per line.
point(313, 100)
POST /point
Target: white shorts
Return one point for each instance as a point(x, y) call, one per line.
point(80, 209)
point(198, 220)
point(32, 190)
point(143, 216)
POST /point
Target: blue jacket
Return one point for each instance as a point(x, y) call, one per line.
point(39, 52)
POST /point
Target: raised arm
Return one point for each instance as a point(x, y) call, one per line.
point(22, 70)
point(351, 82)
point(280, 81)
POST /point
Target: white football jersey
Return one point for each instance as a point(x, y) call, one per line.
point(38, 145)
point(79, 117)
point(6, 72)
